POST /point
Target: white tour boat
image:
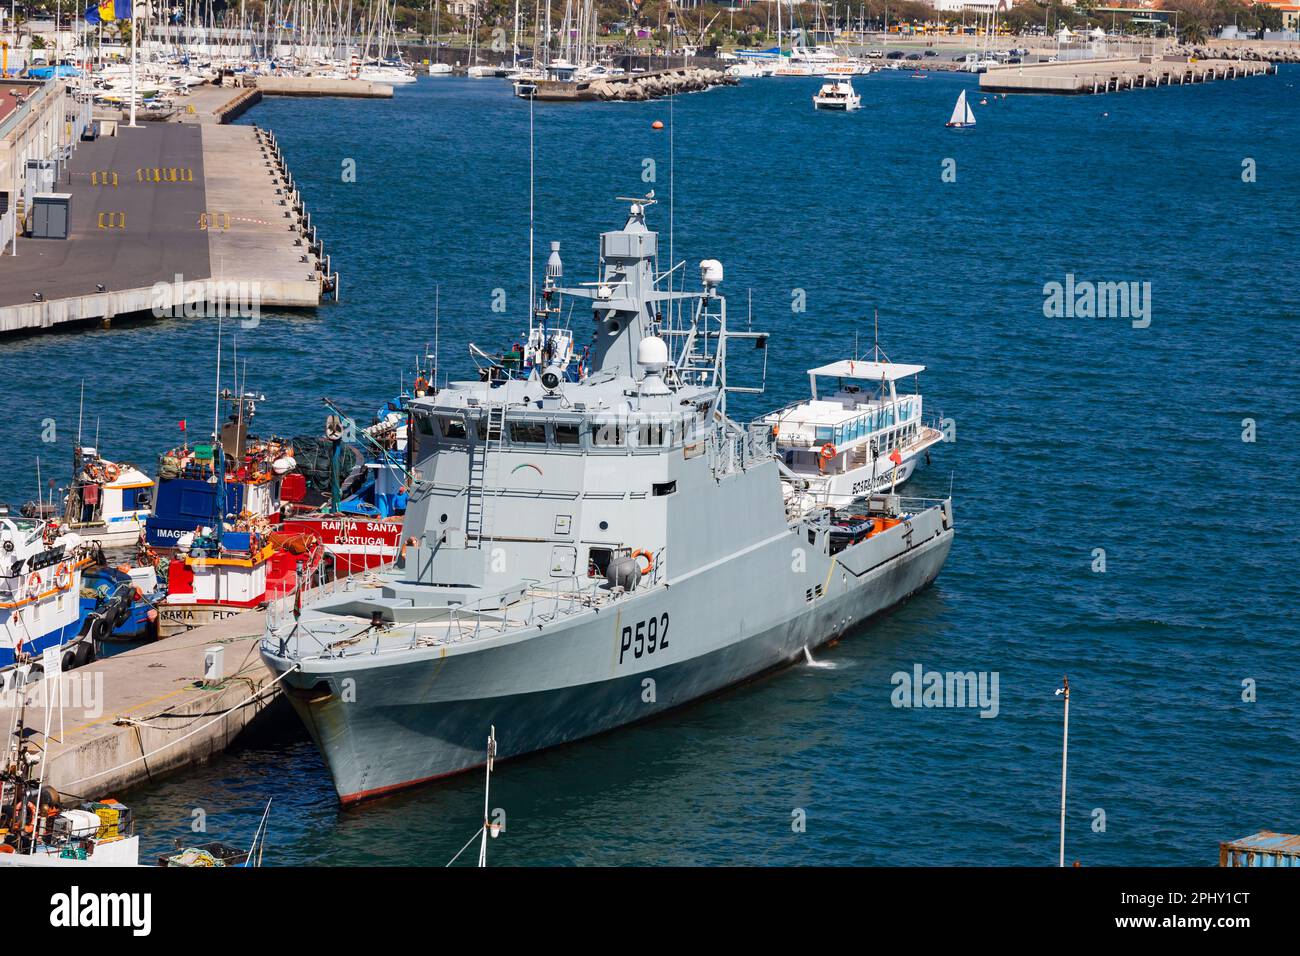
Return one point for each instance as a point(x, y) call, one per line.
point(860, 439)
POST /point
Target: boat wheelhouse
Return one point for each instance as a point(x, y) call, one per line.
point(218, 575)
point(853, 440)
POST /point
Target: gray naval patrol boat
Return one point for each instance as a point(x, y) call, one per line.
point(590, 541)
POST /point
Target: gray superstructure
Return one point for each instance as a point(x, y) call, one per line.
point(589, 541)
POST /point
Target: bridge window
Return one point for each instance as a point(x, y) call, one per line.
point(451, 427)
point(607, 436)
point(528, 433)
point(567, 435)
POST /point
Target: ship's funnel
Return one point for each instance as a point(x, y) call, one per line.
point(554, 267)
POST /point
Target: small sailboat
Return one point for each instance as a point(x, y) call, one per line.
point(961, 114)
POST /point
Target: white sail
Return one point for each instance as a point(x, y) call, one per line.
point(970, 116)
point(961, 112)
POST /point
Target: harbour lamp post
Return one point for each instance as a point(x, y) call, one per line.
point(1065, 751)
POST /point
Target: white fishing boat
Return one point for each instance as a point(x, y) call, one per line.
point(440, 69)
point(859, 439)
point(837, 95)
point(962, 116)
point(108, 502)
point(40, 585)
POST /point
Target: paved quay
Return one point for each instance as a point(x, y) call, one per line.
point(128, 718)
point(147, 711)
point(211, 203)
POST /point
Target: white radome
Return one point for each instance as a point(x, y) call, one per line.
point(711, 272)
point(652, 353)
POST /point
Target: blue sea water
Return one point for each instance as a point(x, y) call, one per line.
point(1072, 434)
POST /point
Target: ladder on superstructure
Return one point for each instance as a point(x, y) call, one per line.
point(476, 504)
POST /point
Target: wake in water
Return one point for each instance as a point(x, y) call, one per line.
point(808, 658)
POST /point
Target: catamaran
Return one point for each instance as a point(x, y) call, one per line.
point(961, 114)
point(837, 95)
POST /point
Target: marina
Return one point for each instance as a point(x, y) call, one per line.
point(668, 552)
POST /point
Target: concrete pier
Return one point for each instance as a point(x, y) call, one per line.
point(321, 86)
point(211, 204)
point(1112, 75)
point(128, 718)
point(217, 104)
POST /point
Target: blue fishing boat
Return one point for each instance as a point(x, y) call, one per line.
point(122, 600)
point(187, 493)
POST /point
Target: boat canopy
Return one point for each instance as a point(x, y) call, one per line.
point(871, 371)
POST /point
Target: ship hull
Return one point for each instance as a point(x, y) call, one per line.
point(385, 725)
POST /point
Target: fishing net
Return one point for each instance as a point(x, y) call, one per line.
point(313, 457)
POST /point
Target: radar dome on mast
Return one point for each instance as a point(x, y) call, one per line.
point(710, 273)
point(652, 355)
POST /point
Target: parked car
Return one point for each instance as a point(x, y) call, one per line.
point(895, 55)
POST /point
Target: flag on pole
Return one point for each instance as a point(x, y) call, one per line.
point(108, 10)
point(182, 424)
point(895, 457)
